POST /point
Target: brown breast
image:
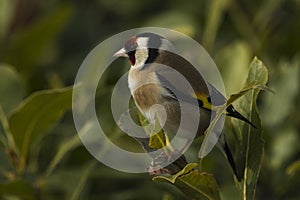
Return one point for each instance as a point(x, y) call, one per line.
point(148, 95)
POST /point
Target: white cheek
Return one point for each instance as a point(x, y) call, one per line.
point(137, 65)
point(141, 55)
point(142, 42)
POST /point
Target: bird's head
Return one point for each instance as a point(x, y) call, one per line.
point(143, 48)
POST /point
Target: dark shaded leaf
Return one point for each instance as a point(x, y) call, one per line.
point(36, 114)
point(82, 181)
point(27, 47)
point(249, 142)
point(11, 88)
point(19, 188)
point(6, 14)
point(65, 147)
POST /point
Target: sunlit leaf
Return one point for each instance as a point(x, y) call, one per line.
point(157, 139)
point(293, 168)
point(195, 184)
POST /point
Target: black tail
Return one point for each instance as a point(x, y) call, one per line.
point(231, 161)
point(233, 113)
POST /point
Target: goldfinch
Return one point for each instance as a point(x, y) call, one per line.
point(157, 77)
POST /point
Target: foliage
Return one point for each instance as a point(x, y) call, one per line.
point(195, 184)
point(42, 44)
point(249, 141)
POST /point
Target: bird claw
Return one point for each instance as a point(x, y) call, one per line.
point(156, 166)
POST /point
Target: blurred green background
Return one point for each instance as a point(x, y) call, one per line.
point(43, 43)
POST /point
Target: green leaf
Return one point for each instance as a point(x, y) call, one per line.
point(157, 138)
point(68, 145)
point(195, 184)
point(19, 188)
point(248, 87)
point(3, 134)
point(215, 10)
point(63, 149)
point(249, 140)
point(265, 12)
point(69, 181)
point(83, 179)
point(31, 120)
point(210, 138)
point(6, 14)
point(234, 68)
point(27, 46)
point(286, 84)
point(293, 168)
point(6, 136)
point(173, 178)
point(11, 88)
point(281, 153)
point(174, 20)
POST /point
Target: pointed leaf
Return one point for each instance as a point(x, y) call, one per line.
point(249, 140)
point(195, 184)
point(213, 131)
point(173, 178)
point(157, 138)
point(36, 114)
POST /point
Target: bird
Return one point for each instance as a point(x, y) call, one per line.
point(154, 78)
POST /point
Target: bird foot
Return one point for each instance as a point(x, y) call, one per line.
point(156, 167)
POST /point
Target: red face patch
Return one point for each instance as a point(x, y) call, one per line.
point(131, 44)
point(131, 55)
point(130, 47)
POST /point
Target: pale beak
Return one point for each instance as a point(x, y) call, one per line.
point(121, 53)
